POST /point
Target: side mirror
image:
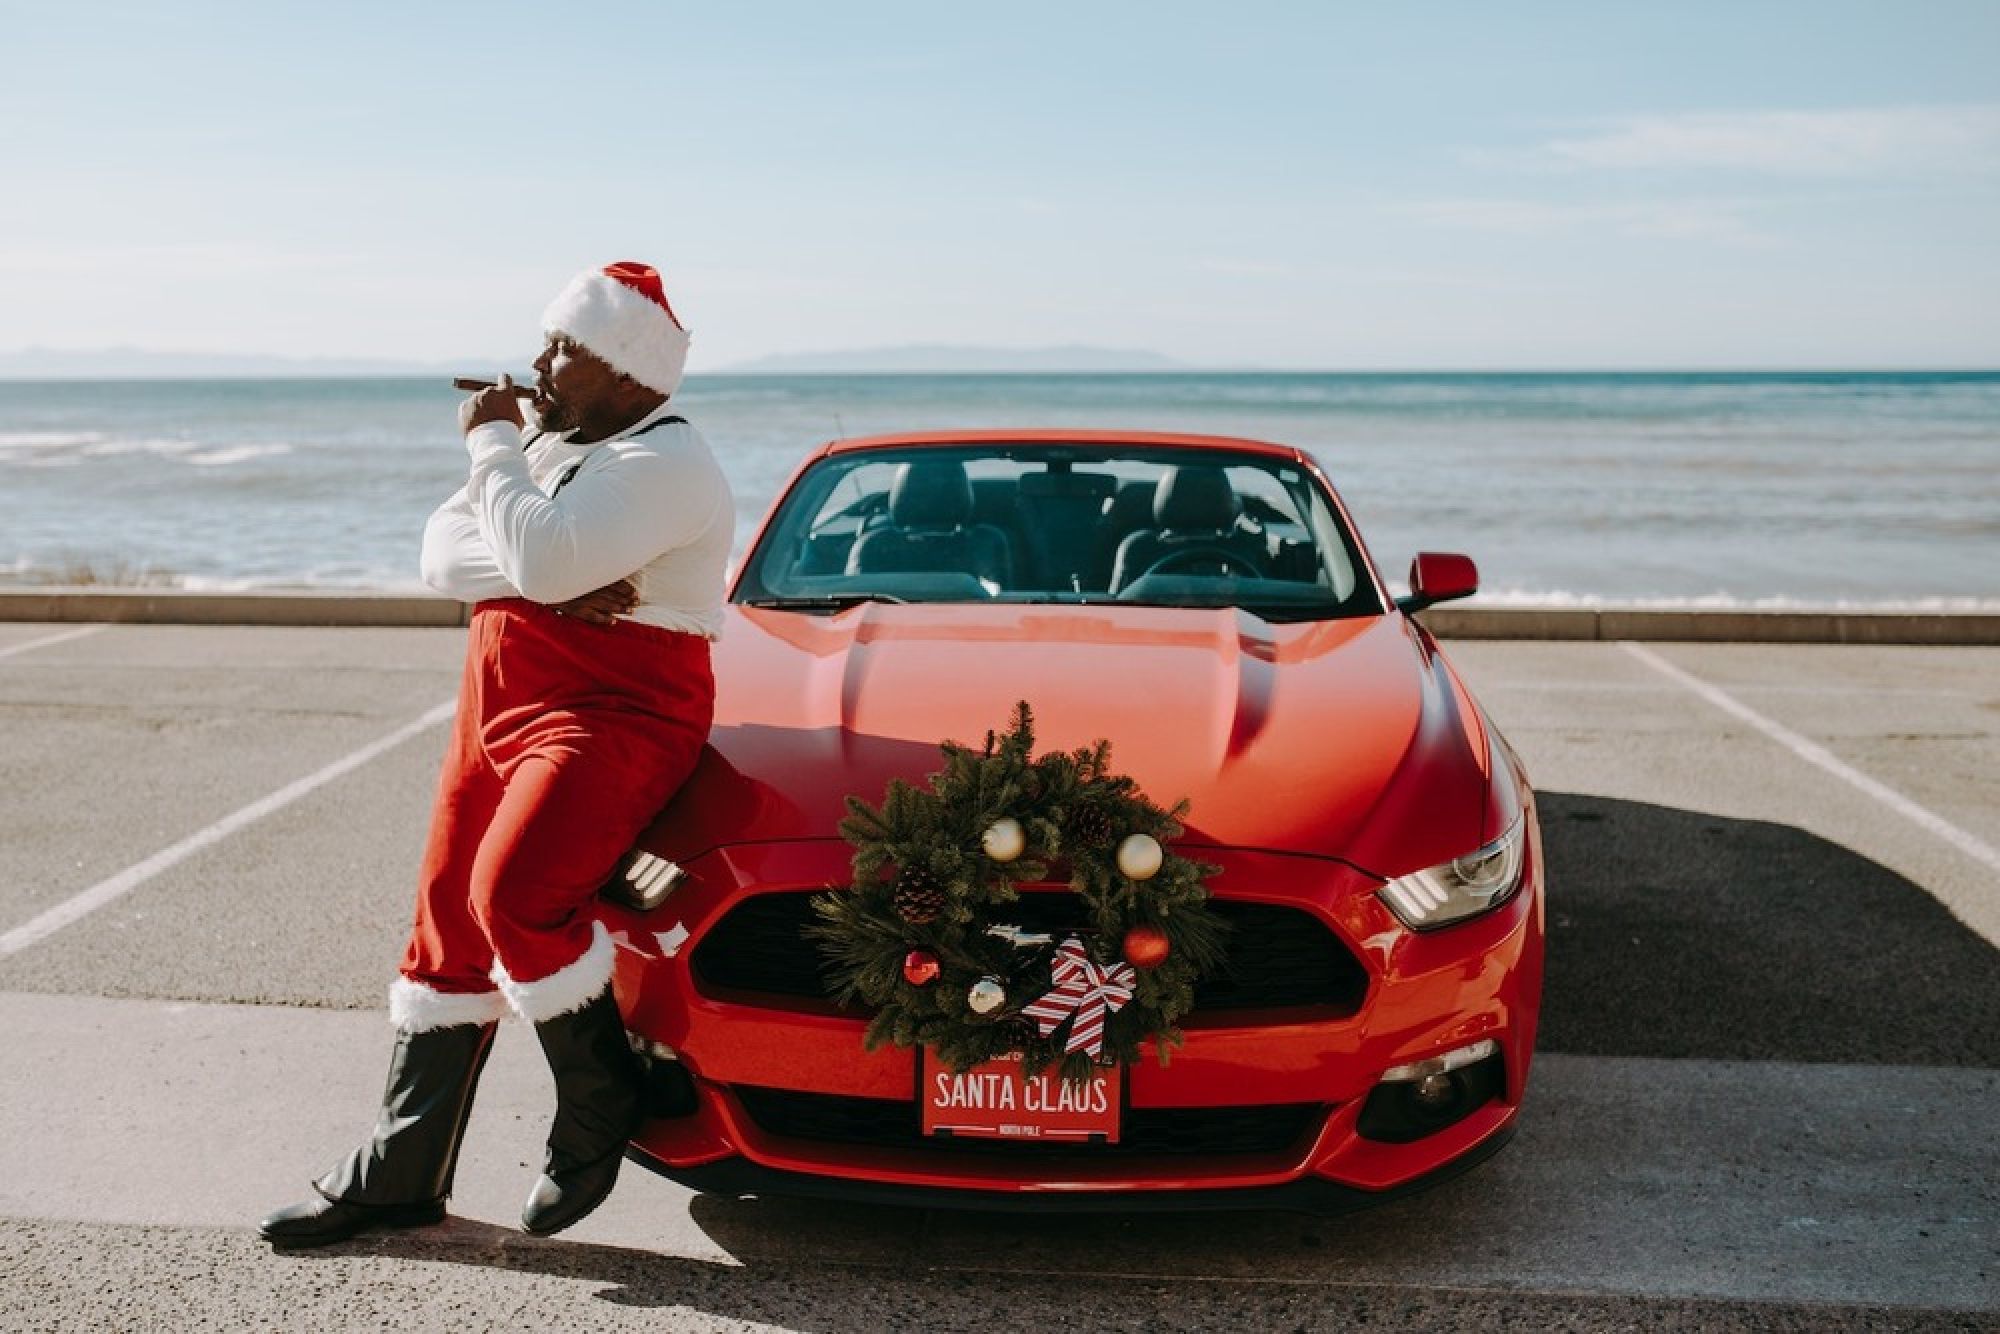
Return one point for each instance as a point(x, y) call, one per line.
point(1438, 576)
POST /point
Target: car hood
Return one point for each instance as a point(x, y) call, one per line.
point(1345, 738)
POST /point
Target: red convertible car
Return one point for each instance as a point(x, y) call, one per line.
point(1206, 606)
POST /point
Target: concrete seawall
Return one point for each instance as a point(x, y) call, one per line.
point(166, 606)
point(169, 606)
point(1750, 627)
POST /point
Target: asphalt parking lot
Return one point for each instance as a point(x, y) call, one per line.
point(1770, 1052)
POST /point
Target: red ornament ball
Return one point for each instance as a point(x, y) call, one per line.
point(920, 968)
point(1145, 947)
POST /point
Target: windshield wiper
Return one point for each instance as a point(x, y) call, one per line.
point(825, 602)
point(1277, 612)
point(1274, 612)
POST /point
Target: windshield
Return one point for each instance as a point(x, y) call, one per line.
point(1059, 523)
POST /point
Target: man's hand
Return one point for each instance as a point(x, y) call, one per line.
point(604, 606)
point(501, 403)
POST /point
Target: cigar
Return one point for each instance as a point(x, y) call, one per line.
point(469, 385)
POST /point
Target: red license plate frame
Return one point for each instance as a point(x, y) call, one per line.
point(994, 1100)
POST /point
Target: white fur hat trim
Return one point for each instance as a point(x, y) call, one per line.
point(620, 313)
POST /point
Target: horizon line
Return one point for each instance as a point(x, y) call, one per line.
point(1059, 373)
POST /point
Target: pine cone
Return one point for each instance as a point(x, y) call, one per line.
point(1087, 827)
point(919, 895)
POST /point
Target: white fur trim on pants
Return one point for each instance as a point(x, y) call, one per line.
point(567, 989)
point(419, 1008)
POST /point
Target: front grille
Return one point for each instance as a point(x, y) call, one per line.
point(1277, 956)
point(761, 946)
point(1145, 1132)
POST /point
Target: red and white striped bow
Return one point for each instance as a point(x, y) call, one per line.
point(1090, 991)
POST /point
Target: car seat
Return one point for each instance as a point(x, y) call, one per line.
point(930, 528)
point(1195, 509)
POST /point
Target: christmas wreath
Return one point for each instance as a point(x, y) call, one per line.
point(924, 934)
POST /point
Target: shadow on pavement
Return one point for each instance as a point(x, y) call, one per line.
point(805, 1289)
point(1672, 934)
point(1274, 1272)
point(1679, 934)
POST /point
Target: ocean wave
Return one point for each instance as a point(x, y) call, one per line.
point(59, 449)
point(48, 439)
point(217, 458)
point(116, 447)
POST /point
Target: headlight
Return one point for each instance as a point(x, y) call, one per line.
point(1467, 886)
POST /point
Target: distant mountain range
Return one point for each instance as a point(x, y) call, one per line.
point(130, 363)
point(938, 358)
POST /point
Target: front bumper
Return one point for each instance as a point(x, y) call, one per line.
point(1315, 1064)
point(741, 1178)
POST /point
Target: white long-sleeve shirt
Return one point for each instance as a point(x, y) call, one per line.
point(559, 520)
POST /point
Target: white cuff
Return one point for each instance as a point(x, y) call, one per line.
point(419, 1008)
point(483, 442)
point(567, 989)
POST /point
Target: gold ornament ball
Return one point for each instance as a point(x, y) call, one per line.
point(1139, 857)
point(1004, 839)
point(986, 995)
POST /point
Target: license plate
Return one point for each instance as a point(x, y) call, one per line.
point(997, 1101)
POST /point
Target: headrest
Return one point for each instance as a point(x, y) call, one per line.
point(930, 494)
point(1195, 499)
point(1131, 506)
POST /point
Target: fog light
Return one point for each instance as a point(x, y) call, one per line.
point(1434, 1091)
point(649, 1049)
point(1456, 1059)
point(1422, 1098)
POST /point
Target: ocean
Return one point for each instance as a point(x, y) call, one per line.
point(1811, 489)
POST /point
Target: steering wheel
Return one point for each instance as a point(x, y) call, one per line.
point(1229, 560)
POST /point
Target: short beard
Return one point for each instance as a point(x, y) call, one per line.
point(555, 417)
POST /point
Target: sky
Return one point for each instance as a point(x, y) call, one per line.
point(1312, 186)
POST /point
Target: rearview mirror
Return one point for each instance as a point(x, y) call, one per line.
point(1439, 576)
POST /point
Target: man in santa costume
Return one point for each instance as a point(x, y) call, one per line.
point(592, 544)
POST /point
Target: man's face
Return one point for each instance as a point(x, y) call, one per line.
point(570, 381)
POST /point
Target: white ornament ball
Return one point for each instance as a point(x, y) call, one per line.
point(1004, 839)
point(1139, 857)
point(986, 995)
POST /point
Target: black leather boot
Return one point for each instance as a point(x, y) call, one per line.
point(401, 1176)
point(598, 1107)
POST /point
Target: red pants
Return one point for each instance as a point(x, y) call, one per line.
point(570, 738)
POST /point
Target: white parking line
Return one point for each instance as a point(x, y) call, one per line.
point(60, 637)
point(1818, 756)
point(129, 879)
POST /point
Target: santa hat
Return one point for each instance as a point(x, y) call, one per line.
point(620, 313)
